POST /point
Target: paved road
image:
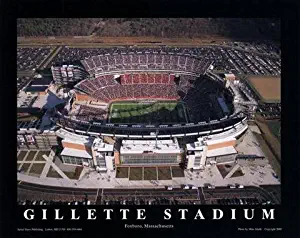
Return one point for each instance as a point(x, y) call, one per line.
point(55, 190)
point(248, 191)
point(200, 194)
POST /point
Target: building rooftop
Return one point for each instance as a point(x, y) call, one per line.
point(224, 136)
point(76, 153)
point(194, 146)
point(46, 101)
point(150, 146)
point(73, 138)
point(100, 146)
point(221, 151)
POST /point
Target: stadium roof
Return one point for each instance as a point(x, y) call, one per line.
point(76, 153)
point(149, 146)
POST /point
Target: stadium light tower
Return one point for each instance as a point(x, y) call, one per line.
point(117, 78)
point(177, 79)
point(156, 133)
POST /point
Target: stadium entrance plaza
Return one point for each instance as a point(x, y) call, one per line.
point(252, 176)
point(252, 173)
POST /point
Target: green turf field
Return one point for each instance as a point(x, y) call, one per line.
point(274, 127)
point(160, 112)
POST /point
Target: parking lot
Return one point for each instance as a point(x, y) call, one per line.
point(31, 58)
point(244, 59)
point(240, 196)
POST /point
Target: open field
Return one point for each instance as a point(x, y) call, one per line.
point(268, 88)
point(100, 42)
point(161, 112)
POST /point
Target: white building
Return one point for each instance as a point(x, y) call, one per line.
point(218, 148)
point(145, 152)
point(84, 150)
point(103, 155)
point(76, 148)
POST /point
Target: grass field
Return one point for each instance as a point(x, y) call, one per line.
point(30, 156)
point(122, 172)
point(25, 167)
point(74, 174)
point(160, 112)
point(136, 173)
point(268, 88)
point(36, 169)
point(274, 127)
point(150, 173)
point(164, 173)
point(21, 155)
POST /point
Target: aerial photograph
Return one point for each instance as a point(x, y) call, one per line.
point(148, 111)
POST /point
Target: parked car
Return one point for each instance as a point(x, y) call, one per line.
point(169, 188)
point(186, 187)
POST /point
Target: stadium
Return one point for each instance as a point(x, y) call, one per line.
point(144, 102)
point(149, 94)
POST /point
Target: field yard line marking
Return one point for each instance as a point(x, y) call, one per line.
point(20, 166)
point(37, 152)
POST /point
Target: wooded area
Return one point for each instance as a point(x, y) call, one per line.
point(235, 28)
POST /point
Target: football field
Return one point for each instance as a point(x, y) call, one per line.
point(148, 113)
